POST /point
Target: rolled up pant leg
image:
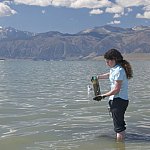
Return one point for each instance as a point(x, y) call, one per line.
point(118, 108)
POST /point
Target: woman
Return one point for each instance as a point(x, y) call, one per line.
point(120, 72)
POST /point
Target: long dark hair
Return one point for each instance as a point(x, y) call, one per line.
point(114, 54)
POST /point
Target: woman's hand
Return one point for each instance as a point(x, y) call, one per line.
point(99, 97)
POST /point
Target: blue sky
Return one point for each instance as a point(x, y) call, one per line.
point(72, 16)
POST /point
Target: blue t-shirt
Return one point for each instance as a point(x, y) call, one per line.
point(118, 73)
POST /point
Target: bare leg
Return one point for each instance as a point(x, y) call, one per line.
point(120, 136)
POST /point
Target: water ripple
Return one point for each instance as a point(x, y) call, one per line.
point(46, 106)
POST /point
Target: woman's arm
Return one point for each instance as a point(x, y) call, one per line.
point(103, 76)
point(115, 90)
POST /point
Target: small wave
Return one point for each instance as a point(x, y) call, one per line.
point(8, 133)
point(82, 100)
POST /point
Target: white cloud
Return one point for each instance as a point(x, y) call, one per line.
point(60, 3)
point(96, 11)
point(129, 9)
point(117, 16)
point(34, 2)
point(147, 8)
point(118, 7)
point(144, 4)
point(5, 10)
point(145, 15)
point(115, 9)
point(115, 22)
point(67, 3)
point(131, 3)
point(43, 11)
point(90, 3)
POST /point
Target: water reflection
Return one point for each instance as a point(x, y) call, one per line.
point(120, 146)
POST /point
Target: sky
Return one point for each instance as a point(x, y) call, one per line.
point(72, 16)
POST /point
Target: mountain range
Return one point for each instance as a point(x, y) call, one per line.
point(86, 44)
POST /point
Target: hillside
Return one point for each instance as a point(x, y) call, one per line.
point(87, 44)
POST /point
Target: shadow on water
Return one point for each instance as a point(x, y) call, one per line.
point(132, 137)
point(138, 141)
point(137, 137)
point(129, 143)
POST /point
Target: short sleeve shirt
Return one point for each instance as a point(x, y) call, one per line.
point(118, 73)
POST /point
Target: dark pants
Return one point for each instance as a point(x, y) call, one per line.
point(118, 107)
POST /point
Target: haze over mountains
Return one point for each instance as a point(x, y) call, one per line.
point(89, 43)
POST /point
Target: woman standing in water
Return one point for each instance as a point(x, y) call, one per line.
point(120, 72)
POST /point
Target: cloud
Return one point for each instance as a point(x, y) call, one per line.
point(117, 16)
point(43, 11)
point(62, 3)
point(118, 7)
point(147, 8)
point(91, 4)
point(143, 4)
point(132, 3)
point(145, 15)
point(67, 3)
point(129, 9)
point(5, 10)
point(115, 22)
point(34, 2)
point(115, 9)
point(96, 11)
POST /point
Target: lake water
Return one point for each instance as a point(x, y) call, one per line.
point(44, 105)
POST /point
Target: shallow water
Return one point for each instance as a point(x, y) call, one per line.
point(46, 106)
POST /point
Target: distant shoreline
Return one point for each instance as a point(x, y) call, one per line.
point(137, 56)
point(131, 56)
